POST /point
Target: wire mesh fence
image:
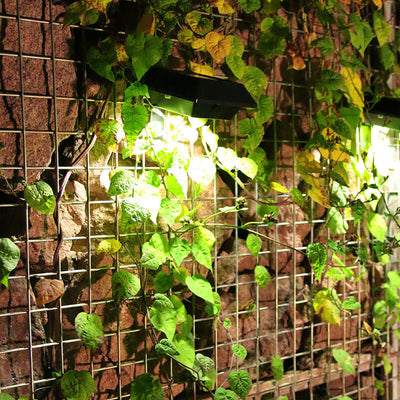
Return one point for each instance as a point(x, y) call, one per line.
point(48, 100)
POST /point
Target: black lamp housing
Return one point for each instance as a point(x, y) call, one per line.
point(196, 95)
point(385, 112)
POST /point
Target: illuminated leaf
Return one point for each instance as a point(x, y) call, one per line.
point(170, 210)
point(223, 7)
point(227, 323)
point(306, 163)
point(218, 46)
point(254, 80)
point(151, 257)
point(351, 304)
point(90, 329)
point(179, 249)
point(240, 383)
point(135, 119)
point(202, 170)
point(122, 181)
point(205, 236)
point(335, 152)
point(210, 138)
point(9, 257)
point(336, 273)
point(318, 193)
point(200, 286)
point(378, 3)
point(336, 222)
point(247, 166)
point(145, 388)
point(354, 87)
point(145, 50)
point(166, 347)
point(163, 315)
point(185, 345)
point(278, 187)
point(261, 276)
point(174, 187)
point(202, 254)
point(324, 305)
point(133, 211)
point(344, 359)
point(40, 197)
point(254, 244)
point(382, 28)
point(108, 246)
point(124, 285)
point(227, 157)
point(77, 385)
point(377, 226)
point(316, 253)
point(387, 365)
point(277, 367)
point(239, 351)
point(214, 309)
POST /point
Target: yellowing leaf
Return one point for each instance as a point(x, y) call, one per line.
point(109, 246)
point(278, 187)
point(319, 194)
point(306, 163)
point(219, 46)
point(147, 23)
point(199, 44)
point(354, 86)
point(378, 3)
point(201, 69)
point(335, 152)
point(223, 7)
point(324, 305)
point(296, 60)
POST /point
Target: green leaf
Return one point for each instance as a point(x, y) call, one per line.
point(344, 359)
point(336, 222)
point(145, 388)
point(102, 58)
point(160, 243)
point(170, 210)
point(90, 329)
point(145, 51)
point(351, 304)
point(227, 323)
point(361, 34)
point(202, 170)
point(240, 383)
point(261, 276)
point(394, 278)
point(324, 45)
point(382, 29)
point(40, 197)
point(239, 351)
point(225, 394)
point(133, 212)
point(9, 257)
point(215, 308)
point(179, 249)
point(271, 45)
point(122, 181)
point(185, 345)
point(200, 286)
point(202, 254)
point(124, 285)
point(387, 365)
point(247, 166)
point(332, 80)
point(265, 109)
point(136, 89)
point(297, 197)
point(174, 187)
point(380, 315)
point(358, 208)
point(387, 57)
point(204, 235)
point(110, 133)
point(316, 253)
point(255, 132)
point(109, 246)
point(77, 385)
point(6, 396)
point(208, 374)
point(277, 367)
point(323, 304)
point(254, 244)
point(166, 347)
point(163, 315)
point(163, 282)
point(250, 5)
point(336, 273)
point(254, 80)
point(377, 226)
point(236, 65)
point(151, 257)
point(135, 119)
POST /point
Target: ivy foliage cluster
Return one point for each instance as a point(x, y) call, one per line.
point(185, 155)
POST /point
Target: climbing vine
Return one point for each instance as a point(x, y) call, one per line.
point(159, 206)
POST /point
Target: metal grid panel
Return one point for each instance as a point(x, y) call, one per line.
point(305, 378)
